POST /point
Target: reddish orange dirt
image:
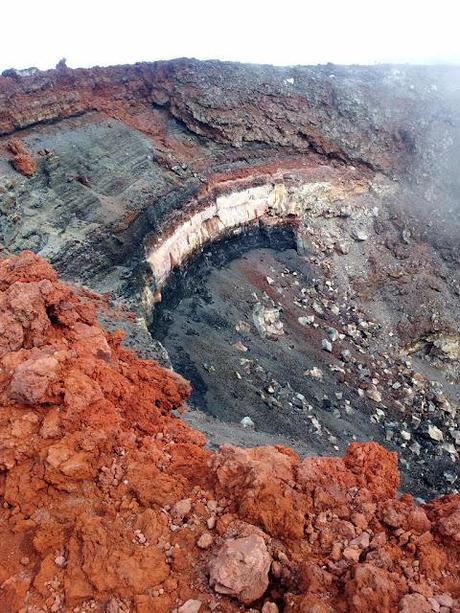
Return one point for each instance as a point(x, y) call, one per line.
point(22, 160)
point(110, 503)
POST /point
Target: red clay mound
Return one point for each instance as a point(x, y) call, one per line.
point(109, 503)
point(22, 161)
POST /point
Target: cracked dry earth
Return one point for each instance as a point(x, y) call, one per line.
point(287, 241)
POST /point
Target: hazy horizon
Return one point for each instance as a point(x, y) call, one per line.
point(357, 32)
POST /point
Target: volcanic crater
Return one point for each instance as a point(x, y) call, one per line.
point(287, 240)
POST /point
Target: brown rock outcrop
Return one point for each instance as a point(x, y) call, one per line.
point(240, 568)
point(22, 160)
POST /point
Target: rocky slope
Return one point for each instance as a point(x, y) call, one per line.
point(110, 503)
point(127, 179)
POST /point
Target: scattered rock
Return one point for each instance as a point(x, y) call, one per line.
point(373, 393)
point(359, 235)
point(315, 373)
point(182, 508)
point(190, 606)
point(435, 433)
point(267, 321)
point(205, 541)
point(247, 422)
point(240, 568)
point(307, 320)
point(270, 607)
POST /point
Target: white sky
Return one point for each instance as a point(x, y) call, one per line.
point(101, 32)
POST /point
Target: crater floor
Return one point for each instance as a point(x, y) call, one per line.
point(283, 377)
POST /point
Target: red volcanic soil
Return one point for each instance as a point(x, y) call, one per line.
point(22, 160)
point(111, 503)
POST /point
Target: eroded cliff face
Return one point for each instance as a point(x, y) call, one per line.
point(121, 152)
point(110, 503)
point(273, 203)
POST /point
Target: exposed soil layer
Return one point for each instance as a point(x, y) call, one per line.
point(109, 503)
point(122, 152)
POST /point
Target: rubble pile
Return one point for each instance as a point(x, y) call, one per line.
point(110, 502)
point(329, 345)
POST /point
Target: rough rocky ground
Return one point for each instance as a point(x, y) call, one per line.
point(331, 374)
point(115, 175)
point(110, 503)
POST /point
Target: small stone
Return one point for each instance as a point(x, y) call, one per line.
point(190, 606)
point(182, 508)
point(59, 561)
point(270, 607)
point(405, 435)
point(445, 600)
point(361, 542)
point(211, 522)
point(351, 554)
point(242, 326)
point(345, 211)
point(247, 422)
point(333, 334)
point(317, 308)
point(414, 603)
point(342, 248)
point(335, 309)
point(450, 448)
point(435, 433)
point(359, 235)
point(270, 281)
point(434, 605)
point(307, 320)
point(336, 553)
point(315, 373)
point(406, 235)
point(359, 520)
point(205, 541)
point(373, 393)
point(449, 477)
point(326, 345)
point(240, 568)
point(239, 346)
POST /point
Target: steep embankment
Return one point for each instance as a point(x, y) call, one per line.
point(109, 502)
point(124, 152)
